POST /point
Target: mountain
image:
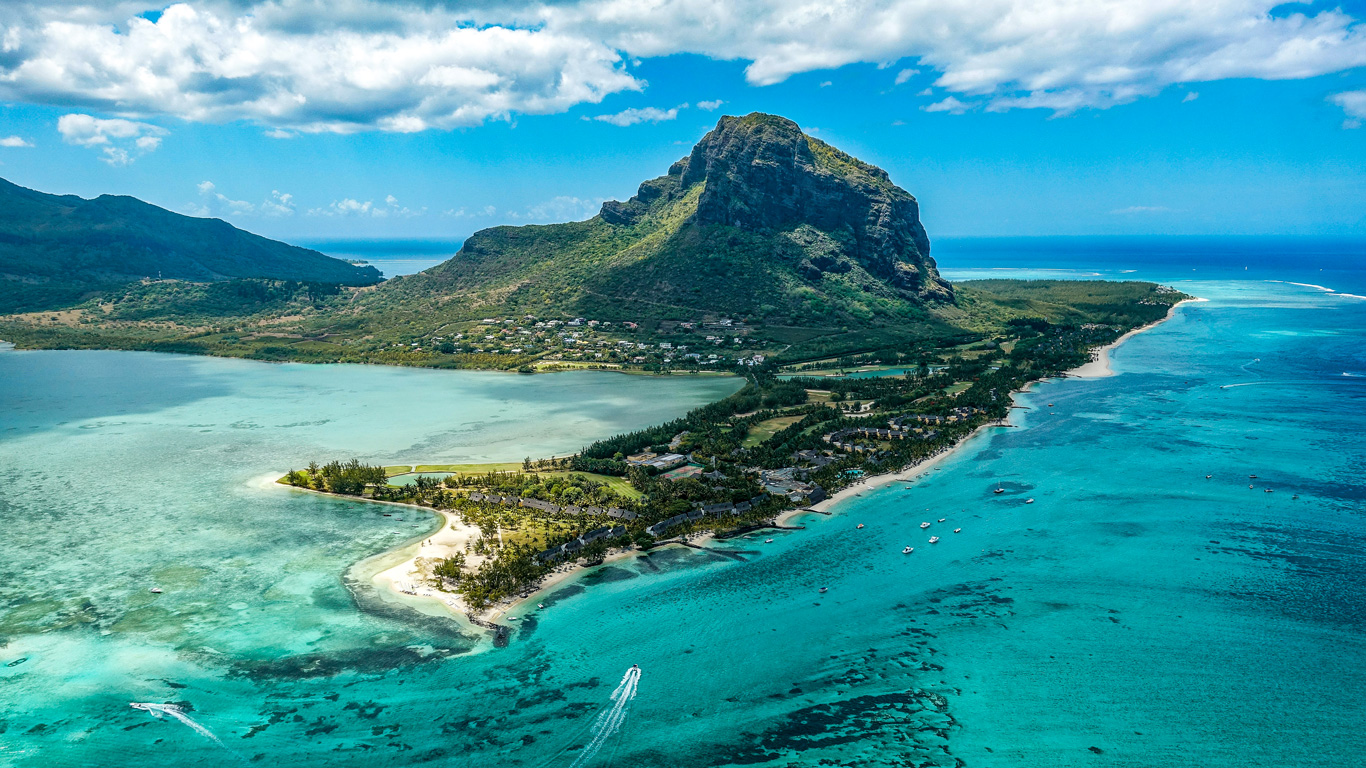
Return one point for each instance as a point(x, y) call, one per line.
point(759, 221)
point(55, 248)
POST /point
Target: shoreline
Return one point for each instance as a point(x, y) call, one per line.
point(1098, 367)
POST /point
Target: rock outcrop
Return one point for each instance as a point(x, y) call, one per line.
point(760, 173)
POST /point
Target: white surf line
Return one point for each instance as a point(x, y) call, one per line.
point(160, 710)
point(612, 718)
point(1323, 288)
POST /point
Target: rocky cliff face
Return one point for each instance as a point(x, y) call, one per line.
point(762, 174)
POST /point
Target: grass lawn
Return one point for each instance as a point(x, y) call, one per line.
point(768, 428)
point(472, 469)
point(956, 387)
point(617, 484)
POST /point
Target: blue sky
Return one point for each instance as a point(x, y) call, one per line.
point(434, 120)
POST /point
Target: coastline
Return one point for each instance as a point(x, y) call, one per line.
point(388, 578)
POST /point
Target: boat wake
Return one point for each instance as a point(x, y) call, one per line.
point(610, 720)
point(160, 711)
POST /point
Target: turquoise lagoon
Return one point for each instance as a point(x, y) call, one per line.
point(1136, 614)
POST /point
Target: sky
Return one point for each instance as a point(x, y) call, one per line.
point(303, 119)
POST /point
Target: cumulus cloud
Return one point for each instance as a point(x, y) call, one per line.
point(1354, 104)
point(643, 115)
point(15, 141)
point(304, 65)
point(1190, 96)
point(121, 141)
point(299, 65)
point(906, 74)
point(709, 106)
point(350, 207)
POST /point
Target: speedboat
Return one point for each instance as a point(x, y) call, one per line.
point(999, 489)
point(924, 525)
point(934, 539)
point(155, 590)
point(907, 550)
point(540, 605)
point(1268, 490)
point(1254, 477)
point(768, 541)
point(860, 525)
point(823, 590)
point(1029, 501)
point(1208, 476)
point(942, 519)
point(957, 530)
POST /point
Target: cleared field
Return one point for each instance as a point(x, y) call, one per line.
point(768, 428)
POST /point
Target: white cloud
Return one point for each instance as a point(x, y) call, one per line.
point(1141, 209)
point(1014, 53)
point(216, 204)
point(300, 65)
point(15, 141)
point(562, 209)
point(1190, 96)
point(708, 106)
point(950, 104)
point(1354, 104)
point(905, 74)
point(121, 141)
point(305, 65)
point(643, 115)
point(350, 207)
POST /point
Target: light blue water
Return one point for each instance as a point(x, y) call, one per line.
point(1135, 607)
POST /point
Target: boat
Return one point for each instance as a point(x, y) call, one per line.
point(999, 489)
point(860, 525)
point(1249, 485)
point(924, 525)
point(1208, 476)
point(1268, 490)
point(934, 539)
point(1029, 501)
point(540, 605)
point(155, 590)
point(942, 519)
point(768, 541)
point(907, 550)
point(823, 590)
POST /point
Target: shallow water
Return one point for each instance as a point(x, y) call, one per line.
point(1135, 614)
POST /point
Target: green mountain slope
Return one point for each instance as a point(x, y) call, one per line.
point(759, 221)
point(55, 248)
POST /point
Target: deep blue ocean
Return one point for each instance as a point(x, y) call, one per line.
point(1155, 605)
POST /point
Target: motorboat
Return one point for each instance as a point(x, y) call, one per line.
point(907, 550)
point(999, 489)
point(957, 530)
point(540, 605)
point(1208, 476)
point(924, 525)
point(1029, 501)
point(934, 539)
point(768, 541)
point(155, 590)
point(823, 590)
point(860, 525)
point(942, 519)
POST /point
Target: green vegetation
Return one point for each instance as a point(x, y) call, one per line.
point(57, 251)
point(771, 445)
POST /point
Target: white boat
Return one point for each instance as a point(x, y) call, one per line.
point(540, 605)
point(942, 519)
point(934, 539)
point(155, 590)
point(768, 541)
point(957, 530)
point(1029, 501)
point(823, 590)
point(924, 525)
point(999, 489)
point(907, 550)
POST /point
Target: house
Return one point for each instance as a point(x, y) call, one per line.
point(621, 514)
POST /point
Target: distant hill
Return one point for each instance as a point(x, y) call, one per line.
point(760, 221)
point(56, 248)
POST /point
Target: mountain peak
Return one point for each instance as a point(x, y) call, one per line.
point(761, 173)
